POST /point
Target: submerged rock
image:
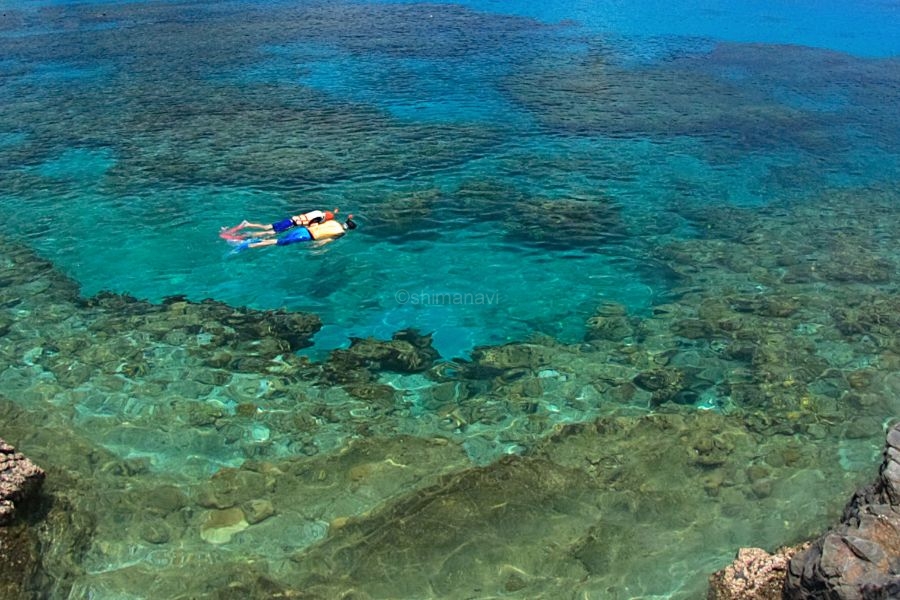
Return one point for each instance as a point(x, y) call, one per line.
point(399, 217)
point(664, 384)
point(495, 360)
point(221, 525)
point(19, 561)
point(208, 328)
point(609, 322)
point(407, 351)
point(587, 222)
point(469, 535)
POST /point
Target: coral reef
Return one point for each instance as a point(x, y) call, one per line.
point(485, 197)
point(597, 95)
point(565, 222)
point(150, 113)
point(356, 368)
point(404, 217)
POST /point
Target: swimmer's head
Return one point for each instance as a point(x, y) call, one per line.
point(350, 223)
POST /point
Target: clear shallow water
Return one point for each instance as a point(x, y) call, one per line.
point(513, 166)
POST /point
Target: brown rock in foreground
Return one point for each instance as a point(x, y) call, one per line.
point(859, 559)
point(754, 574)
point(19, 480)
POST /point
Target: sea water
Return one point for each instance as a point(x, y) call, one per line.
point(159, 237)
point(130, 133)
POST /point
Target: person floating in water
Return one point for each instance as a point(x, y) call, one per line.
point(314, 232)
point(301, 220)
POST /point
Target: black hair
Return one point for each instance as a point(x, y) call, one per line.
point(350, 223)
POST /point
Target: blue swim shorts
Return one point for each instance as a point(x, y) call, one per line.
point(283, 225)
point(301, 234)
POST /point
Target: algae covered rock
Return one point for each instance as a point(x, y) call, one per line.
point(609, 322)
point(566, 222)
point(230, 487)
point(665, 384)
point(403, 217)
point(408, 351)
point(19, 561)
point(767, 306)
point(494, 360)
point(414, 546)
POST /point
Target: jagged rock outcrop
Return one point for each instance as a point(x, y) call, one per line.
point(755, 574)
point(860, 558)
point(19, 480)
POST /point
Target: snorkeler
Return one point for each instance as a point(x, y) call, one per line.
point(314, 232)
point(302, 220)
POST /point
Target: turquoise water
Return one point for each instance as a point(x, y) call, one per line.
point(135, 159)
point(513, 166)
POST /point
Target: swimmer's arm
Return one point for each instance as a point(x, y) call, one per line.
point(262, 243)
